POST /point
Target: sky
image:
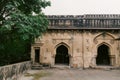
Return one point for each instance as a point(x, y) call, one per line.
point(80, 7)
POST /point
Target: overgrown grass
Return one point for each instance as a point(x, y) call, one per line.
point(37, 76)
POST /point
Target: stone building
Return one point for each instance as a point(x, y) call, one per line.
point(80, 41)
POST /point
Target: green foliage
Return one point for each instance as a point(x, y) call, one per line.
point(19, 27)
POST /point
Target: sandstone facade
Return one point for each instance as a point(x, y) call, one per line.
point(80, 42)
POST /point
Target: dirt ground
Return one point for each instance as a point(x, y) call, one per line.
point(71, 74)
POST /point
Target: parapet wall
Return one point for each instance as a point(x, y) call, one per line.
point(102, 16)
point(85, 21)
point(92, 16)
point(13, 72)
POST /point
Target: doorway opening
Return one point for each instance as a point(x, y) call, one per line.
point(62, 56)
point(103, 57)
point(37, 55)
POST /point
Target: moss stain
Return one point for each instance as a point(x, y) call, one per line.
point(37, 76)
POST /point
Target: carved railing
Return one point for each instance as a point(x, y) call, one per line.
point(85, 21)
point(13, 72)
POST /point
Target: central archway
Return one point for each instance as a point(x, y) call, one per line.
point(103, 57)
point(62, 56)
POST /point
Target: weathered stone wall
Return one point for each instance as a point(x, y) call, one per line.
point(82, 46)
point(14, 71)
point(82, 35)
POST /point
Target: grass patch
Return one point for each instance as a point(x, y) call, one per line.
point(37, 76)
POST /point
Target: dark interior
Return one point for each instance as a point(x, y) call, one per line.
point(103, 55)
point(62, 56)
point(37, 55)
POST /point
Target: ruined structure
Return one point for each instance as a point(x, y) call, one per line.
point(81, 41)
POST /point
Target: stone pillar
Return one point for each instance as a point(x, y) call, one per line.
point(67, 23)
point(109, 23)
point(100, 23)
point(60, 23)
point(106, 23)
point(93, 61)
point(90, 23)
point(117, 23)
point(97, 23)
point(71, 22)
point(112, 60)
point(57, 22)
point(53, 22)
point(93, 23)
point(84, 23)
point(53, 60)
point(64, 22)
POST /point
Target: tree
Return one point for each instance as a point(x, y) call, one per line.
point(19, 27)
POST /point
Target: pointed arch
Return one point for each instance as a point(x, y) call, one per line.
point(62, 43)
point(103, 54)
point(104, 43)
point(103, 36)
point(62, 54)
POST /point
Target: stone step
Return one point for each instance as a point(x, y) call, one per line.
point(36, 67)
point(106, 67)
point(62, 67)
point(40, 66)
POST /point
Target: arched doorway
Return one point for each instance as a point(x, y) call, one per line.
point(103, 57)
point(62, 56)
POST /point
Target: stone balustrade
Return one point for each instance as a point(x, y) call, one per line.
point(81, 21)
point(103, 16)
point(14, 71)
